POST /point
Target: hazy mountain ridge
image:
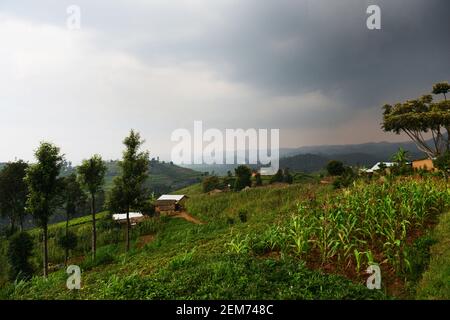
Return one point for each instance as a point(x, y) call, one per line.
point(378, 149)
point(314, 158)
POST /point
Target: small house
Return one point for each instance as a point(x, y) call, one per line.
point(423, 164)
point(378, 166)
point(170, 203)
point(135, 217)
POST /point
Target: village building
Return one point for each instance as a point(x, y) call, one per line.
point(423, 164)
point(169, 203)
point(135, 217)
point(378, 166)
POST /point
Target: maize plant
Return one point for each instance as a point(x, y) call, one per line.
point(378, 216)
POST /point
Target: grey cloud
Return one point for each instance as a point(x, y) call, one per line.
point(278, 49)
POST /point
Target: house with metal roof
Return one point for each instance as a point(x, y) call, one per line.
point(378, 166)
point(135, 217)
point(168, 203)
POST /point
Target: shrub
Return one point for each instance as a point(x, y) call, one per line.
point(258, 180)
point(148, 208)
point(243, 177)
point(335, 168)
point(287, 177)
point(277, 177)
point(210, 183)
point(443, 163)
point(19, 251)
point(419, 257)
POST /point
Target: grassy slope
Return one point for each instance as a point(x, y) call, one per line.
point(192, 261)
point(164, 176)
point(435, 282)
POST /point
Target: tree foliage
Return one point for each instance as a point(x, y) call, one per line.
point(419, 117)
point(441, 88)
point(287, 177)
point(73, 196)
point(243, 177)
point(19, 251)
point(74, 199)
point(128, 191)
point(442, 162)
point(258, 180)
point(13, 193)
point(210, 183)
point(335, 168)
point(277, 177)
point(91, 175)
point(44, 187)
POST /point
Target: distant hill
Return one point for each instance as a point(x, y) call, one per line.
point(314, 158)
point(164, 177)
point(382, 150)
point(313, 162)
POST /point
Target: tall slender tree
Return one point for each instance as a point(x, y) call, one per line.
point(13, 193)
point(74, 199)
point(129, 191)
point(44, 187)
point(91, 174)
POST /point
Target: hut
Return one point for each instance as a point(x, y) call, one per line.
point(423, 164)
point(169, 203)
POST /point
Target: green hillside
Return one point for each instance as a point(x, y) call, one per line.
point(163, 176)
point(254, 244)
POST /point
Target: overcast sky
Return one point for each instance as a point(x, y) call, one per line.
point(309, 68)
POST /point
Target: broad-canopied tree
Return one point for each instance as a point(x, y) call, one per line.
point(44, 188)
point(91, 175)
point(419, 117)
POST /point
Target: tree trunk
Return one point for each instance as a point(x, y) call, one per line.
point(12, 223)
point(94, 230)
point(128, 229)
point(45, 257)
point(448, 138)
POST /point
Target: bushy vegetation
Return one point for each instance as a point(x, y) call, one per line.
point(335, 168)
point(19, 252)
point(303, 241)
point(435, 283)
point(210, 183)
point(366, 224)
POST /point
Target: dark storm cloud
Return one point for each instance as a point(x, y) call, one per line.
point(284, 47)
point(308, 67)
point(292, 47)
